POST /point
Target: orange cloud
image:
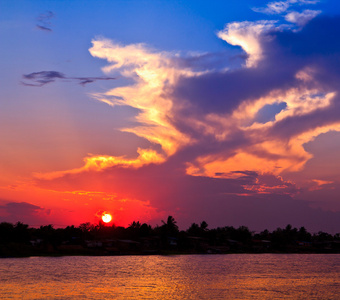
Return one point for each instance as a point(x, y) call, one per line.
point(264, 153)
point(322, 182)
point(101, 162)
point(153, 73)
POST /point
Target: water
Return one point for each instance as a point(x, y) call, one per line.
point(245, 276)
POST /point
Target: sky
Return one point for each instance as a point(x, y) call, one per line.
point(223, 111)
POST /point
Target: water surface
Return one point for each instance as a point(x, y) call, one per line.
point(244, 276)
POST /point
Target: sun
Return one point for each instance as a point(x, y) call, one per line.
point(106, 217)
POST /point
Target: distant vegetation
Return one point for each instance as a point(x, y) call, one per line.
point(19, 239)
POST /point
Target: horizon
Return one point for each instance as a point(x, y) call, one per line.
point(226, 112)
point(111, 224)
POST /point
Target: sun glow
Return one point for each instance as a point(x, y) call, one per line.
point(106, 217)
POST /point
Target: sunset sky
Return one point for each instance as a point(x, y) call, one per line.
point(223, 111)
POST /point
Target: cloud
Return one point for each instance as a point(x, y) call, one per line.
point(166, 186)
point(274, 7)
point(100, 162)
point(20, 208)
point(247, 35)
point(44, 21)
point(153, 73)
point(211, 149)
point(23, 212)
point(283, 76)
point(42, 78)
point(85, 80)
point(279, 7)
point(320, 183)
point(302, 18)
point(214, 113)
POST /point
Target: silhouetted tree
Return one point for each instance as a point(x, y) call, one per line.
point(15, 239)
point(133, 230)
point(170, 226)
point(243, 234)
point(6, 232)
point(204, 225)
point(135, 225)
point(194, 230)
point(47, 233)
point(21, 233)
point(145, 230)
point(263, 235)
point(322, 237)
point(303, 235)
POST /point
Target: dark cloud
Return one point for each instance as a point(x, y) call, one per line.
point(219, 92)
point(43, 28)
point(295, 125)
point(23, 212)
point(44, 21)
point(20, 208)
point(316, 46)
point(41, 78)
point(85, 80)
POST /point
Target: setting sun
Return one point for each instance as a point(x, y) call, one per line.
point(106, 218)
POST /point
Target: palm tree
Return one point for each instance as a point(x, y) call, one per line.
point(170, 228)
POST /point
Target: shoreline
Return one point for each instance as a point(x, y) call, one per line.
point(166, 254)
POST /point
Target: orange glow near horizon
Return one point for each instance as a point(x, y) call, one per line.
point(65, 208)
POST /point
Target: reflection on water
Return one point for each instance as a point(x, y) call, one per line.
point(245, 276)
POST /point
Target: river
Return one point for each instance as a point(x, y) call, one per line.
point(233, 276)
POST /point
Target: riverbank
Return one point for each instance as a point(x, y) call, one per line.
point(19, 240)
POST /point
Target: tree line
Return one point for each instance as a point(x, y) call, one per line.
point(140, 238)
